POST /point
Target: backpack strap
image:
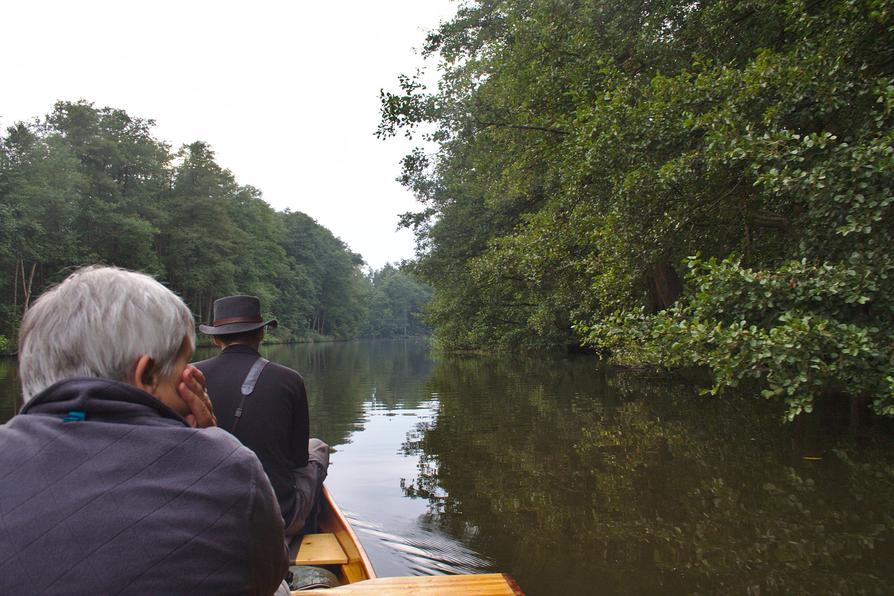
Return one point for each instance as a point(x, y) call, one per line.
point(248, 385)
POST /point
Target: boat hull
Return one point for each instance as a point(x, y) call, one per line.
point(333, 521)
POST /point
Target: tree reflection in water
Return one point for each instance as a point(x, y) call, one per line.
point(632, 485)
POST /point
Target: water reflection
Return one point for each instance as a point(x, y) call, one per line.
point(585, 483)
point(581, 481)
point(345, 379)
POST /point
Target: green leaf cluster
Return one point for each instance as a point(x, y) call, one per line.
point(800, 330)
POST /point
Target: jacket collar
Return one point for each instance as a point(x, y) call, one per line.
point(100, 399)
point(240, 349)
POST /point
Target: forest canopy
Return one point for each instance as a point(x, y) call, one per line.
point(90, 185)
point(671, 182)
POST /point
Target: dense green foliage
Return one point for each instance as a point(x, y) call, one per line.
point(396, 304)
point(88, 185)
point(587, 150)
point(804, 329)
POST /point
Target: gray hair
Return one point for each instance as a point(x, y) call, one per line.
point(97, 323)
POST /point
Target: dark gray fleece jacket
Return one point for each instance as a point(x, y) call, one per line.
point(105, 490)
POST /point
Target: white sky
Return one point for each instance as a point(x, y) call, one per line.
point(286, 93)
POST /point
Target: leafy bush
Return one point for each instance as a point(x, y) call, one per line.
point(801, 330)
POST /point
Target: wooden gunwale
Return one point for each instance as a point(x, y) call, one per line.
point(358, 576)
point(358, 567)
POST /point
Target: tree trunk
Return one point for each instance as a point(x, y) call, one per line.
point(15, 290)
point(859, 408)
point(30, 284)
point(664, 285)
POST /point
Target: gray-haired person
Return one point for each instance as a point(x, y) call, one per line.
point(108, 482)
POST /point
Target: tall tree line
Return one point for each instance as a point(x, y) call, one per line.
point(396, 304)
point(93, 185)
point(675, 182)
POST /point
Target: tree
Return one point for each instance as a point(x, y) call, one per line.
point(40, 185)
point(396, 306)
point(587, 149)
point(328, 288)
point(88, 185)
point(123, 167)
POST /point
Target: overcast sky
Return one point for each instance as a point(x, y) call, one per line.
point(286, 93)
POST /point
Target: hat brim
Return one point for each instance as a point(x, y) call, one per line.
point(235, 327)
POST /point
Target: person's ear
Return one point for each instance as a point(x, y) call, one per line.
point(144, 374)
point(216, 341)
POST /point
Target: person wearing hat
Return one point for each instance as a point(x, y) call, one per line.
point(264, 405)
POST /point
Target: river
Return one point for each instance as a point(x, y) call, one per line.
point(578, 480)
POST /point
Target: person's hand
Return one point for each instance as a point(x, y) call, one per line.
point(192, 390)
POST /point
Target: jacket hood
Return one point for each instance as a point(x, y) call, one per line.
point(101, 400)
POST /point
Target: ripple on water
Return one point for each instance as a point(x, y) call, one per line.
point(424, 552)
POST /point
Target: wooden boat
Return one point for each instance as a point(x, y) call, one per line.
point(337, 548)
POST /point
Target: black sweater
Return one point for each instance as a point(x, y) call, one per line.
point(274, 422)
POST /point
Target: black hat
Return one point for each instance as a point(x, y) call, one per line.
point(236, 314)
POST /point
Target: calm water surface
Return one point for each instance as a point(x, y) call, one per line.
point(581, 481)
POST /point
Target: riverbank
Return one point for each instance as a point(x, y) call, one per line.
point(9, 350)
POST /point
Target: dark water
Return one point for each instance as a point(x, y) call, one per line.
point(580, 481)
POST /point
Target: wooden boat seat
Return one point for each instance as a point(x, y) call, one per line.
point(489, 584)
point(320, 549)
